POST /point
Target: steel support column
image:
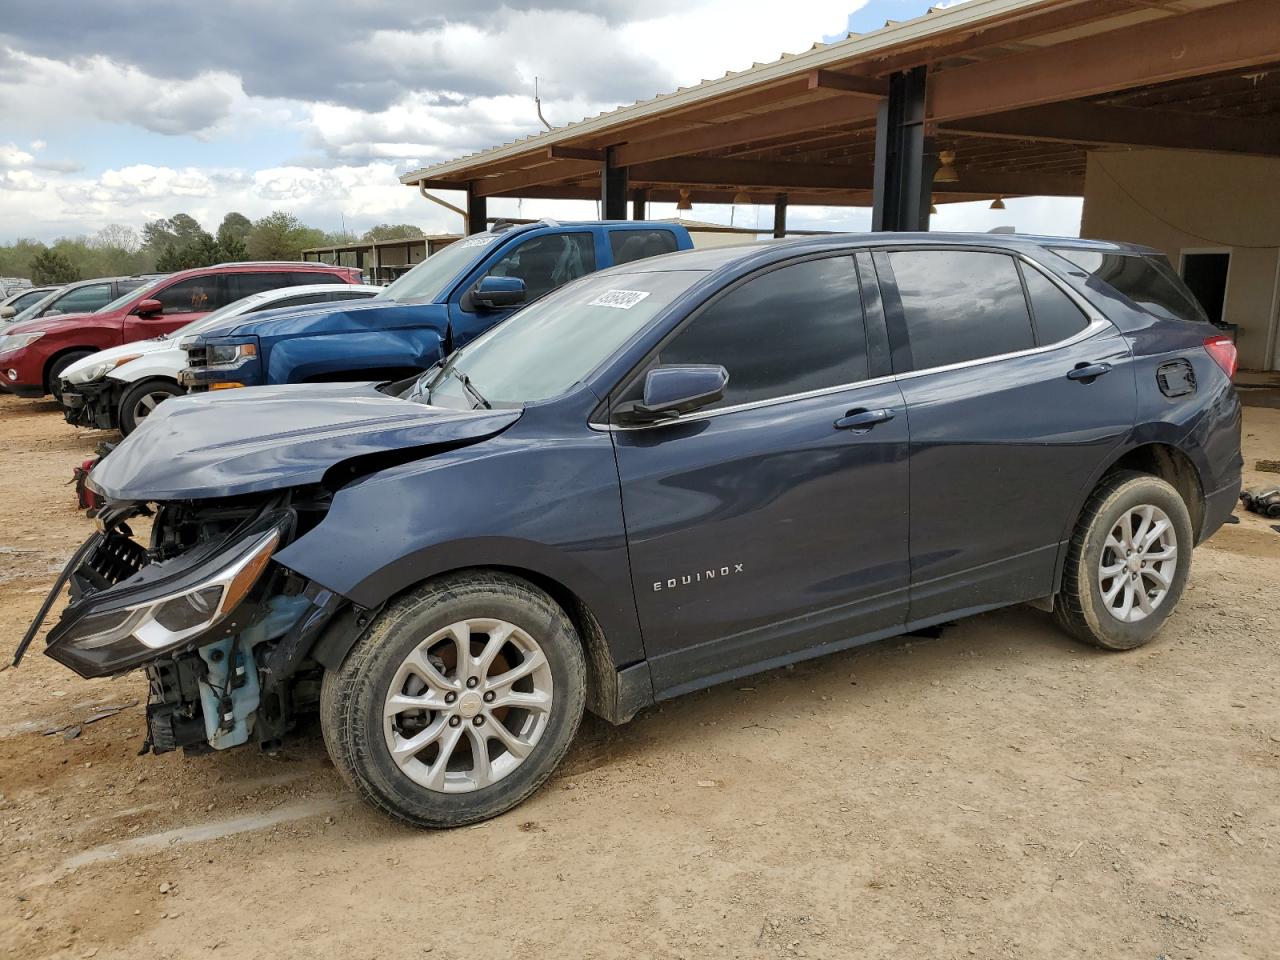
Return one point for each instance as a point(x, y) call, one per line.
point(613, 189)
point(780, 215)
point(477, 211)
point(903, 178)
point(638, 200)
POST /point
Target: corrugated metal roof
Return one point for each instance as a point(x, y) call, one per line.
point(935, 22)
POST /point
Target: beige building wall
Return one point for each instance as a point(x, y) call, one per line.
point(1181, 201)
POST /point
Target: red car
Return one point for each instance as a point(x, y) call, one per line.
point(33, 354)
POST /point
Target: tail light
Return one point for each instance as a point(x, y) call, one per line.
point(1223, 351)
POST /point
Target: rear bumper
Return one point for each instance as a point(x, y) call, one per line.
point(1218, 506)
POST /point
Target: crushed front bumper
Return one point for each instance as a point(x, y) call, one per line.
point(95, 404)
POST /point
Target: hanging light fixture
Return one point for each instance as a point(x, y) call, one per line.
point(997, 203)
point(741, 196)
point(684, 203)
point(946, 173)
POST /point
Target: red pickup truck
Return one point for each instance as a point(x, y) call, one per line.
point(33, 354)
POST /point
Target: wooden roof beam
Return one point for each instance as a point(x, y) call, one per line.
point(1233, 36)
point(1076, 122)
point(828, 112)
point(512, 183)
point(847, 83)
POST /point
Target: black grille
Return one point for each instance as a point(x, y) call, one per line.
point(117, 558)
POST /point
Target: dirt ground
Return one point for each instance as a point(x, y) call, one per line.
point(997, 792)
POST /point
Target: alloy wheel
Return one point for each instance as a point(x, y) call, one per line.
point(1139, 559)
point(468, 705)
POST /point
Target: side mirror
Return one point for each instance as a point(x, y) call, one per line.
point(148, 308)
point(672, 391)
point(7, 313)
point(498, 293)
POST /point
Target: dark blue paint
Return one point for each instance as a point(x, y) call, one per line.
point(715, 545)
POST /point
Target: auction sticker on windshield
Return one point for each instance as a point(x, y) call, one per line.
point(619, 299)
point(481, 241)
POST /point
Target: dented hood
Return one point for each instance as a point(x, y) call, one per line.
point(256, 439)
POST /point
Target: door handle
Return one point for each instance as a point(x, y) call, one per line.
point(862, 419)
point(1088, 372)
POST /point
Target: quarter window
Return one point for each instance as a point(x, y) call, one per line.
point(630, 245)
point(794, 329)
point(547, 262)
point(960, 305)
point(1057, 318)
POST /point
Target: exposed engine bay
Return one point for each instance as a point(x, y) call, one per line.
point(223, 632)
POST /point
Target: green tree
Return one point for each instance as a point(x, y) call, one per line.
point(50, 266)
point(15, 258)
point(203, 251)
point(393, 231)
point(176, 231)
point(234, 227)
point(281, 236)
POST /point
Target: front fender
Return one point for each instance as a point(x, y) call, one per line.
point(517, 500)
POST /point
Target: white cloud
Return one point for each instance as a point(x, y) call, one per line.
point(23, 180)
point(42, 92)
point(11, 157)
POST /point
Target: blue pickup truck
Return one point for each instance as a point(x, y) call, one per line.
point(438, 306)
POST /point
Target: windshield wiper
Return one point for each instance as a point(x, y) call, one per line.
point(467, 386)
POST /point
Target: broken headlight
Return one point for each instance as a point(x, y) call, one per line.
point(114, 633)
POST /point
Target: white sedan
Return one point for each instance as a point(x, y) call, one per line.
point(120, 386)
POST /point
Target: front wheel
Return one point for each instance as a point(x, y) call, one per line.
point(142, 398)
point(459, 702)
point(1127, 562)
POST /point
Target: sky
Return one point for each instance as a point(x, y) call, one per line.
point(124, 111)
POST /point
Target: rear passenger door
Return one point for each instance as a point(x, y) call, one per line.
point(775, 520)
point(1006, 430)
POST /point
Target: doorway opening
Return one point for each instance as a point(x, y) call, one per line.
point(1205, 273)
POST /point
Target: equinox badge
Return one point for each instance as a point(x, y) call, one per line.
point(688, 579)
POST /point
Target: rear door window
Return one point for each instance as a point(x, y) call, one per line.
point(959, 305)
point(791, 330)
point(86, 299)
point(242, 285)
point(300, 300)
point(301, 279)
point(631, 245)
point(1146, 279)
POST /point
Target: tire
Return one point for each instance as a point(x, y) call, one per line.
point(134, 404)
point(406, 654)
point(1118, 617)
point(54, 383)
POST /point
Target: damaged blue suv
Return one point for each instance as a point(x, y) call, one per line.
point(657, 478)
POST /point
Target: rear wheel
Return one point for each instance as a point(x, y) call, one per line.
point(459, 702)
point(54, 382)
point(1127, 563)
point(142, 398)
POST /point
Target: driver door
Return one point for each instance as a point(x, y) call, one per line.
point(768, 524)
point(542, 262)
point(183, 302)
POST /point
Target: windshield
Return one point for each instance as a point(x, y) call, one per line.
point(124, 298)
point(554, 343)
point(429, 279)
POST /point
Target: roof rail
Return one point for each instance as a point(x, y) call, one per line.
point(273, 263)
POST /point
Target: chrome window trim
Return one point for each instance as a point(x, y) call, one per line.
point(751, 405)
point(1097, 324)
